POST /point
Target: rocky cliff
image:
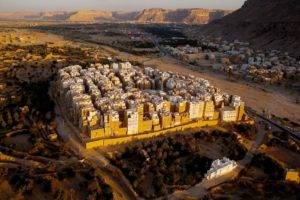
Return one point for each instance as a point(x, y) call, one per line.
point(192, 16)
point(91, 16)
point(157, 15)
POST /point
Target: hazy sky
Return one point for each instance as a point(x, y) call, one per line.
point(51, 5)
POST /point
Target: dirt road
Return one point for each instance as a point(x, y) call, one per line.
point(282, 105)
point(111, 175)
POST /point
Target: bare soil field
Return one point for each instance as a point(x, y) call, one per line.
point(28, 37)
point(274, 102)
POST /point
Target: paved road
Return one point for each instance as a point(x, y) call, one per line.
point(293, 135)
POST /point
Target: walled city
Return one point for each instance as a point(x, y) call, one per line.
point(117, 100)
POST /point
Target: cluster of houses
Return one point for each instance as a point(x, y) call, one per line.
point(240, 59)
point(119, 99)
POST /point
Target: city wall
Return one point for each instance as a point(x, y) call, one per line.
point(121, 140)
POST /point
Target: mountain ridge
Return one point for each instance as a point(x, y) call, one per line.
point(190, 16)
point(153, 15)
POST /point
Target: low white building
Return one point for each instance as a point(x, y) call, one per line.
point(220, 167)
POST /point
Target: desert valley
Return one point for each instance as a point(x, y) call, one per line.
point(157, 103)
